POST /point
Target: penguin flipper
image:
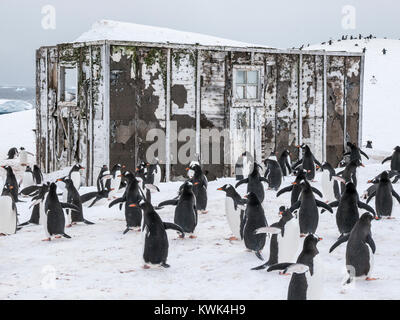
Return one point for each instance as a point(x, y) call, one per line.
point(94, 201)
point(336, 190)
point(88, 222)
point(29, 190)
point(116, 201)
point(371, 243)
point(297, 164)
point(373, 194)
point(259, 256)
point(69, 206)
point(295, 206)
point(282, 191)
point(364, 154)
point(88, 196)
point(387, 159)
point(364, 206)
point(279, 266)
point(242, 182)
point(262, 267)
point(341, 240)
point(396, 195)
point(173, 226)
point(66, 236)
point(151, 187)
point(324, 205)
point(318, 163)
point(173, 202)
point(315, 190)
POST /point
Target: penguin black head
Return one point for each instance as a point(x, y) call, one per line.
point(397, 149)
point(77, 167)
point(7, 168)
point(228, 189)
point(252, 199)
point(196, 168)
point(28, 169)
point(286, 214)
point(22, 148)
point(350, 187)
point(384, 176)
point(310, 243)
point(369, 144)
point(7, 189)
point(53, 188)
point(367, 217)
point(187, 187)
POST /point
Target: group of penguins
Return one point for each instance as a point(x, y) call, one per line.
point(245, 215)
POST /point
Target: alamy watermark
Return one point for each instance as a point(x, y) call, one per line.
point(49, 17)
point(349, 17)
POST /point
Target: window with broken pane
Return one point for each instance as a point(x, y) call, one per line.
point(68, 84)
point(247, 84)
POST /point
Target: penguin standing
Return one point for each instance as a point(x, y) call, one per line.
point(349, 174)
point(295, 188)
point(156, 244)
point(347, 213)
point(234, 210)
point(11, 180)
point(308, 162)
point(285, 163)
point(355, 152)
point(23, 156)
point(394, 160)
point(186, 210)
point(200, 185)
point(132, 198)
point(285, 240)
point(360, 249)
point(307, 279)
point(308, 213)
point(273, 173)
point(329, 182)
point(38, 194)
point(12, 153)
point(37, 175)
point(152, 179)
point(8, 212)
point(74, 198)
point(254, 220)
point(27, 179)
point(254, 183)
point(75, 175)
point(114, 183)
point(384, 194)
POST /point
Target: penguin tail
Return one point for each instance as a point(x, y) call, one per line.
point(66, 236)
point(264, 266)
point(88, 222)
point(259, 256)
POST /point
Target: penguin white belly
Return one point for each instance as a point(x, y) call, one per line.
point(327, 187)
point(27, 180)
point(315, 282)
point(76, 179)
point(8, 217)
point(246, 168)
point(115, 184)
point(288, 245)
point(371, 261)
point(157, 176)
point(233, 217)
point(43, 219)
point(23, 157)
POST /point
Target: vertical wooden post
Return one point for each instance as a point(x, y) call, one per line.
point(300, 102)
point(325, 113)
point(106, 66)
point(168, 120)
point(198, 103)
point(361, 101)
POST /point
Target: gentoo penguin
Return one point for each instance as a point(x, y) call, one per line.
point(152, 179)
point(285, 240)
point(254, 220)
point(74, 198)
point(186, 210)
point(295, 188)
point(307, 279)
point(55, 219)
point(156, 245)
point(273, 173)
point(27, 178)
point(285, 163)
point(132, 198)
point(355, 153)
point(37, 175)
point(330, 185)
point(254, 183)
point(360, 249)
point(200, 185)
point(375, 182)
point(308, 213)
point(75, 175)
point(101, 181)
point(12, 182)
point(349, 174)
point(102, 194)
point(23, 156)
point(115, 182)
point(308, 162)
point(383, 196)
point(38, 194)
point(234, 210)
point(394, 160)
point(347, 213)
point(12, 153)
point(8, 212)
point(369, 145)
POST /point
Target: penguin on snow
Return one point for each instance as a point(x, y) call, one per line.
point(308, 162)
point(8, 212)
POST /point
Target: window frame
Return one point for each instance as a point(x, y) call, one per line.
point(258, 102)
point(61, 84)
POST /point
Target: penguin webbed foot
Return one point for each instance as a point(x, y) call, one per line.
point(165, 265)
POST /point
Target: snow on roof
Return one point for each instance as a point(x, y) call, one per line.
point(124, 31)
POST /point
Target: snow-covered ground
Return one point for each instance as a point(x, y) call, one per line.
point(100, 263)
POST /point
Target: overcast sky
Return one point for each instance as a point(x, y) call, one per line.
point(278, 23)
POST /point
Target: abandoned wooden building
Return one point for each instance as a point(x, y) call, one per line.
point(129, 79)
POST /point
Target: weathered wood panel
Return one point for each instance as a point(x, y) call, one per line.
point(335, 109)
point(352, 98)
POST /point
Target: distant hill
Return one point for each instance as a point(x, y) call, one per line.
point(16, 99)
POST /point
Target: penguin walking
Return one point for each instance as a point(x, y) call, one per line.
point(273, 173)
point(131, 198)
point(355, 153)
point(360, 249)
point(37, 175)
point(102, 194)
point(75, 175)
point(349, 174)
point(308, 162)
point(11, 180)
point(285, 239)
point(8, 212)
point(384, 194)
point(329, 182)
point(114, 183)
point(295, 188)
point(73, 197)
point(23, 156)
point(234, 210)
point(38, 194)
point(54, 222)
point(200, 186)
point(152, 179)
point(254, 183)
point(308, 210)
point(394, 160)
point(186, 211)
point(27, 179)
point(307, 278)
point(104, 178)
point(347, 213)
point(12, 153)
point(285, 163)
point(254, 219)
point(156, 244)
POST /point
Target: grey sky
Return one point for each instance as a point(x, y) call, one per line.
point(278, 23)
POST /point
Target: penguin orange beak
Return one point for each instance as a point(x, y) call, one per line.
point(11, 187)
point(245, 197)
point(196, 183)
point(59, 180)
point(294, 183)
point(120, 176)
point(362, 165)
point(369, 181)
point(3, 167)
point(83, 168)
point(298, 147)
point(187, 169)
point(317, 167)
point(219, 189)
point(133, 205)
point(281, 213)
point(320, 239)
